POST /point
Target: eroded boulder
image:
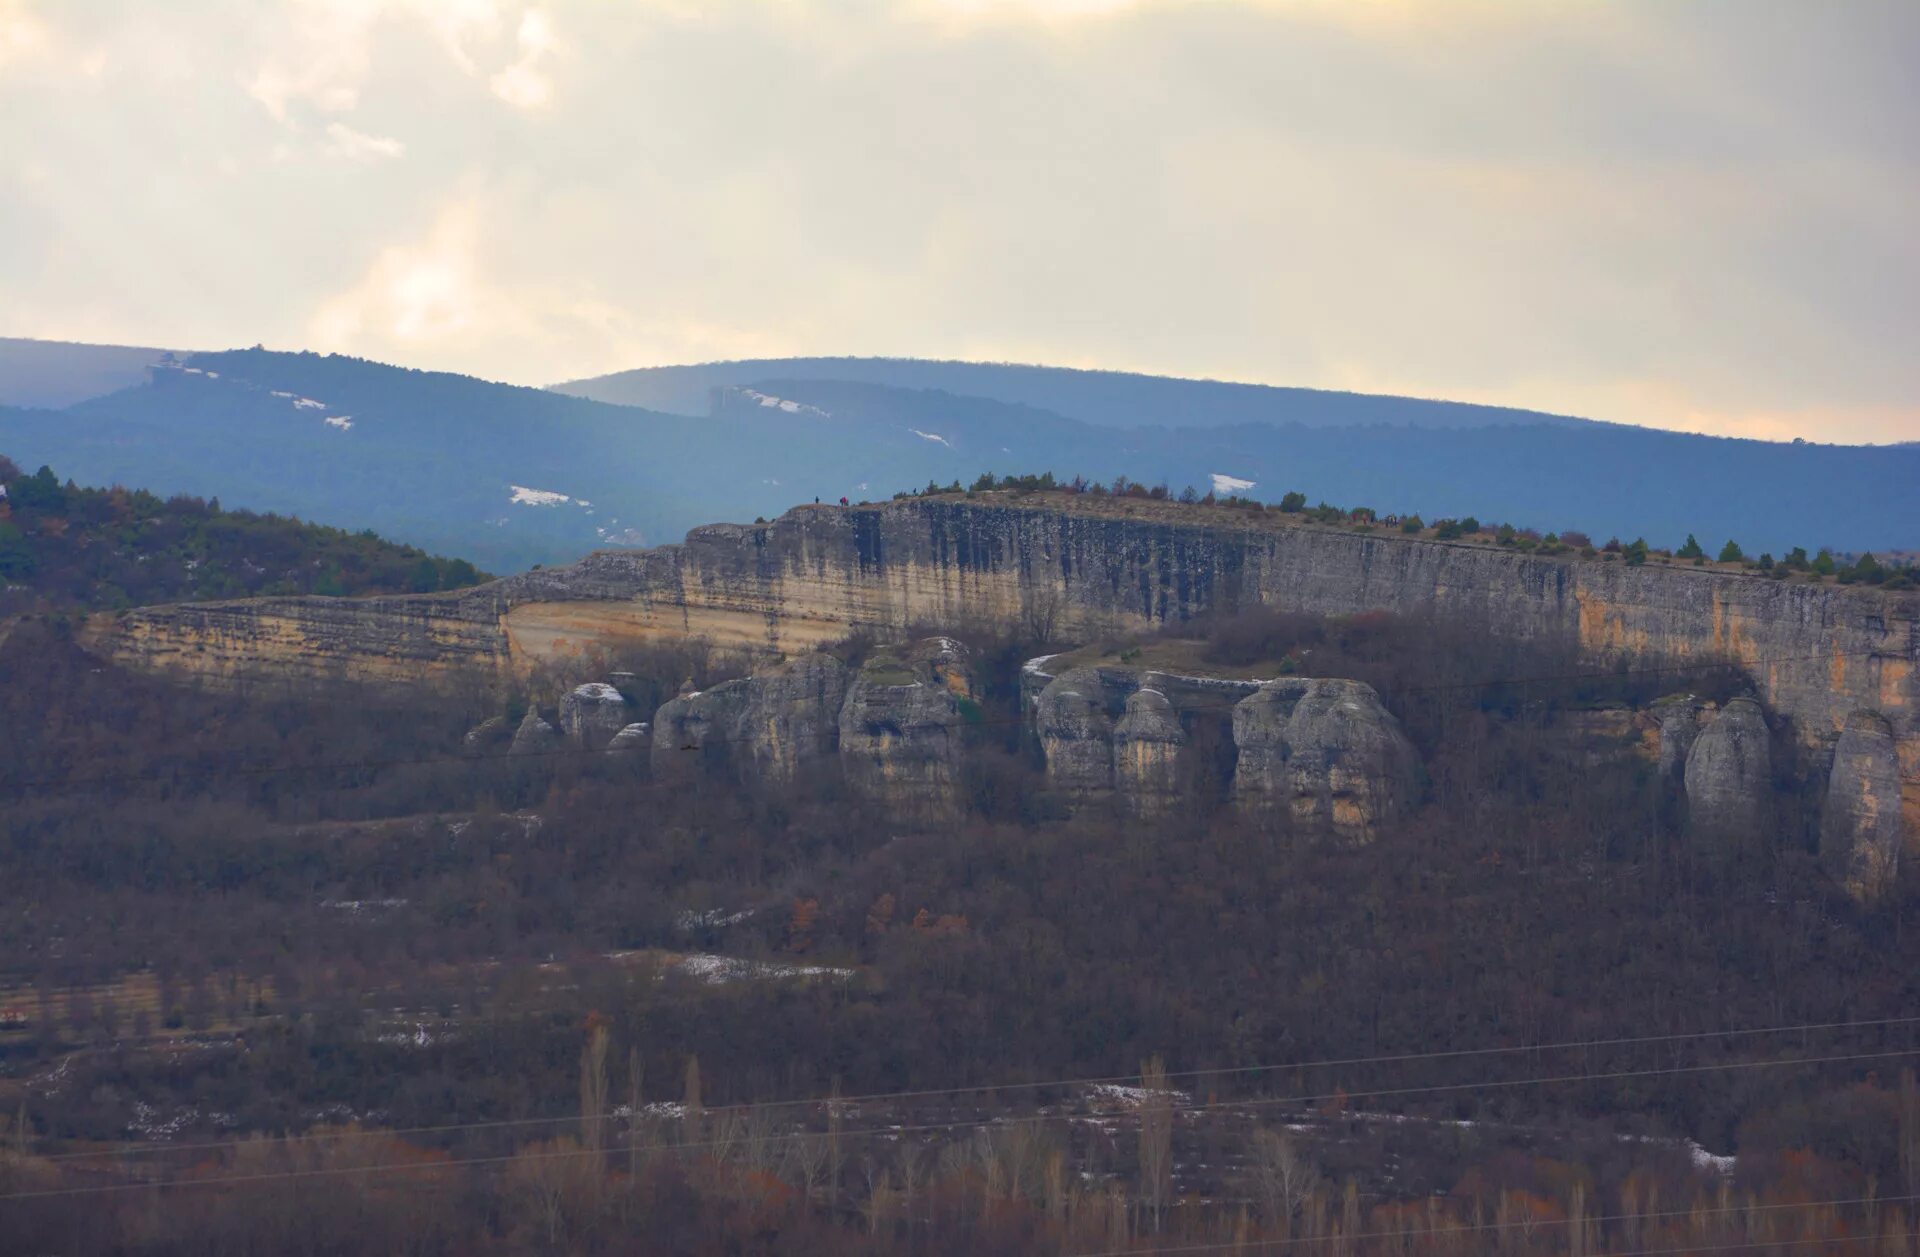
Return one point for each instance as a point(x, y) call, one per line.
point(1146, 754)
point(489, 735)
point(1860, 823)
point(635, 738)
point(591, 714)
point(1326, 753)
point(1070, 719)
point(792, 716)
point(698, 726)
point(1729, 774)
point(1677, 721)
point(535, 736)
point(901, 726)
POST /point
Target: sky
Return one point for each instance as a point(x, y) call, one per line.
point(1690, 215)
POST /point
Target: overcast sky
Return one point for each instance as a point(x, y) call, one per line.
point(1694, 215)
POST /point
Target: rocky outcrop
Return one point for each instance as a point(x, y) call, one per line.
point(1860, 826)
point(1146, 754)
point(535, 736)
point(1729, 774)
point(770, 726)
point(697, 726)
point(1325, 753)
point(792, 717)
point(489, 735)
point(591, 714)
point(901, 726)
point(1070, 719)
point(1816, 652)
point(1678, 720)
point(633, 740)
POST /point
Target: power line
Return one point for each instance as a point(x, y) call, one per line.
point(581, 753)
point(1479, 1227)
point(1185, 1109)
point(1048, 1084)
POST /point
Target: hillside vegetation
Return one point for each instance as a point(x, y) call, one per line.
point(63, 547)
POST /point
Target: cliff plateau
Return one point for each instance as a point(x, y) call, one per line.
point(1065, 565)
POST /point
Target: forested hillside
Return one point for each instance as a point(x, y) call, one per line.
point(582, 993)
point(64, 547)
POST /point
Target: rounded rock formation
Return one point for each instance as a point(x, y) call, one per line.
point(1146, 754)
point(1860, 823)
point(1326, 753)
point(635, 737)
point(1070, 719)
point(1729, 774)
point(901, 727)
point(591, 714)
point(535, 736)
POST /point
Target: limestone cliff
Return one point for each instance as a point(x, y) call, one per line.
point(1817, 652)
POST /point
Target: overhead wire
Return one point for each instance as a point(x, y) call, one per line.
point(875, 1097)
point(948, 1127)
point(898, 1130)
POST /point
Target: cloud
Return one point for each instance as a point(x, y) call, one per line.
point(348, 144)
point(1685, 215)
point(22, 33)
point(444, 299)
point(522, 84)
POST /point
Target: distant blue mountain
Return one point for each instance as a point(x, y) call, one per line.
point(509, 477)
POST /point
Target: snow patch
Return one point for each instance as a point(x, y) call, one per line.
point(537, 497)
point(931, 436)
point(1223, 483)
point(1704, 1160)
point(780, 403)
point(720, 969)
point(1134, 1097)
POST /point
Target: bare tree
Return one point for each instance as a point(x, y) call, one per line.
point(1156, 1138)
point(1279, 1178)
point(593, 1088)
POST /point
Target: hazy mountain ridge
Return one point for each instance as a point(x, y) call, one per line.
point(512, 476)
point(52, 373)
point(1102, 398)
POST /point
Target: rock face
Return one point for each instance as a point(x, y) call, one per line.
point(792, 717)
point(1860, 824)
point(769, 726)
point(590, 715)
point(1071, 721)
point(535, 736)
point(901, 727)
point(696, 726)
point(1818, 652)
point(1146, 754)
point(1729, 774)
point(1678, 720)
point(1326, 753)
